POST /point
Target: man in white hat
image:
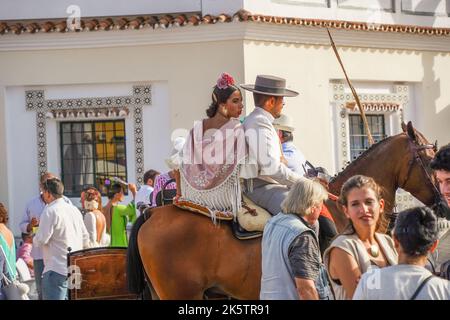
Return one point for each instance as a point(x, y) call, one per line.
point(272, 176)
point(294, 157)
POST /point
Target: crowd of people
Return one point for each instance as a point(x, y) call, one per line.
point(52, 226)
point(292, 266)
point(358, 263)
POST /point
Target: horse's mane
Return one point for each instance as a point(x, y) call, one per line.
point(363, 156)
point(420, 137)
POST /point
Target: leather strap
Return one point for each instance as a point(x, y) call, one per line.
point(10, 270)
point(424, 282)
point(249, 210)
point(161, 192)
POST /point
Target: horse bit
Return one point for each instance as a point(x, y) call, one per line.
point(416, 158)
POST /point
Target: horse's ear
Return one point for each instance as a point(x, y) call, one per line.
point(403, 126)
point(411, 131)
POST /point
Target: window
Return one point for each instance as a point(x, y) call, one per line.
point(92, 152)
point(358, 136)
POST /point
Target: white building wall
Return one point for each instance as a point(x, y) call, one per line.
point(435, 98)
point(217, 7)
point(47, 9)
point(156, 131)
point(428, 7)
point(21, 155)
point(4, 191)
point(21, 137)
point(181, 92)
point(309, 70)
point(413, 12)
point(416, 12)
point(182, 72)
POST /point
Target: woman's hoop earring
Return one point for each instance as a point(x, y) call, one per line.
point(225, 112)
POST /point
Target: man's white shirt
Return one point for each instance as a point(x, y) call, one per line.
point(264, 146)
point(34, 209)
point(143, 195)
point(61, 227)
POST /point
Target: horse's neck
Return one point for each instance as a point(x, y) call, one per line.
point(380, 163)
point(387, 181)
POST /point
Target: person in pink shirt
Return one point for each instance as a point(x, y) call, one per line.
point(160, 181)
point(24, 251)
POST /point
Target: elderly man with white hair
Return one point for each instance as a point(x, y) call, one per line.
point(292, 266)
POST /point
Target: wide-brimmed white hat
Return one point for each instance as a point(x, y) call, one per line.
point(174, 160)
point(284, 122)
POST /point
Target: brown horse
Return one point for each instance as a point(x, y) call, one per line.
point(184, 254)
point(400, 161)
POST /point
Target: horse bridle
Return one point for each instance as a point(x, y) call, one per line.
point(416, 158)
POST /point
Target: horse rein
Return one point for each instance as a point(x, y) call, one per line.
point(416, 158)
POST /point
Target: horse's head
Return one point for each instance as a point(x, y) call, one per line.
point(416, 175)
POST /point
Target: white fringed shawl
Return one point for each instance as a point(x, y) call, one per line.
point(211, 166)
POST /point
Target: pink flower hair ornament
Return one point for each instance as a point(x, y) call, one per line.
point(225, 81)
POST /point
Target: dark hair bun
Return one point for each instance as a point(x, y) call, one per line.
point(416, 229)
point(219, 96)
point(211, 111)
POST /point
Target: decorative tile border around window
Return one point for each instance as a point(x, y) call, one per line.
point(373, 107)
point(396, 102)
point(85, 108)
point(72, 114)
point(391, 102)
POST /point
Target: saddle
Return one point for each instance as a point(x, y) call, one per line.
point(165, 196)
point(251, 218)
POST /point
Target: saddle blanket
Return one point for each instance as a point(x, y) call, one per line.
point(251, 217)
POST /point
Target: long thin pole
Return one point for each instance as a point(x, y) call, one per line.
point(358, 102)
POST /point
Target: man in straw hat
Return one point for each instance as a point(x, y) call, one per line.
point(273, 177)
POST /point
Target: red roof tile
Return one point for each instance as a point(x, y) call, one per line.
point(166, 21)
